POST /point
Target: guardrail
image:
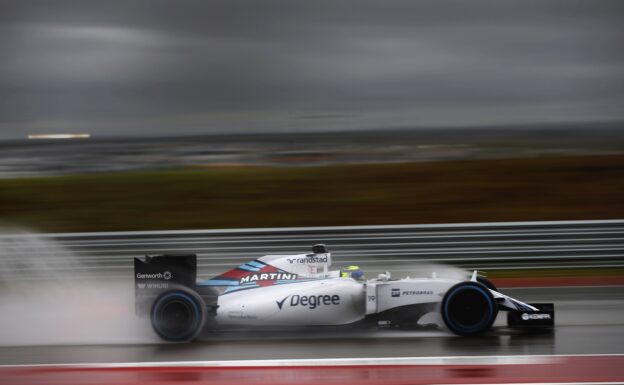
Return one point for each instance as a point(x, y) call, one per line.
point(483, 246)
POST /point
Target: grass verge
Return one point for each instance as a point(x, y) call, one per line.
point(547, 188)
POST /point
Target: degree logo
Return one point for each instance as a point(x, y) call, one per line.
point(310, 301)
point(281, 303)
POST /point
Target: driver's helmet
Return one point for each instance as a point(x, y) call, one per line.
point(353, 272)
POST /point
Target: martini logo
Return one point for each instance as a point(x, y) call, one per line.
point(252, 274)
point(263, 277)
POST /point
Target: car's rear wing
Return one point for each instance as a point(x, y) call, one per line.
point(156, 274)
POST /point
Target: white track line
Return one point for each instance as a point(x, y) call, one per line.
point(449, 360)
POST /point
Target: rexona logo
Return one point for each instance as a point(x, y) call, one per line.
point(266, 277)
point(310, 301)
point(308, 259)
point(527, 316)
point(166, 275)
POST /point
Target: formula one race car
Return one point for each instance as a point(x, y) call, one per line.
point(300, 290)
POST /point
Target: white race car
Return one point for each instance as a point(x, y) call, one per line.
point(301, 290)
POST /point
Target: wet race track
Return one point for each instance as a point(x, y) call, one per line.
point(589, 319)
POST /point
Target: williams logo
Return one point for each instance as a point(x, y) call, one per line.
point(396, 292)
point(309, 301)
point(157, 285)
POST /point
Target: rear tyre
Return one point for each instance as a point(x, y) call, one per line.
point(178, 315)
point(468, 309)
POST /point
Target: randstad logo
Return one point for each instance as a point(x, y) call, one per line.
point(311, 301)
point(308, 259)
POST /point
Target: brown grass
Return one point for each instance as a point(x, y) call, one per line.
point(547, 188)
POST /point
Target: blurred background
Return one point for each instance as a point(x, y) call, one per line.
point(226, 114)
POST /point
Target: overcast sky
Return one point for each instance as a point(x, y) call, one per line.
point(142, 67)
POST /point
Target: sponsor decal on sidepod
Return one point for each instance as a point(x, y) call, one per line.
point(398, 292)
point(311, 301)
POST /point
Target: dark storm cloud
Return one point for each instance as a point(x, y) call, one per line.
point(136, 67)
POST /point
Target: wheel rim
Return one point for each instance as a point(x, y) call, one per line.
point(176, 316)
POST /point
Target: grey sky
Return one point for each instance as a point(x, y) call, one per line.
point(163, 67)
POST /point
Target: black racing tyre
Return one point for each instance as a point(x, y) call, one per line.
point(468, 309)
point(178, 315)
point(486, 282)
point(490, 285)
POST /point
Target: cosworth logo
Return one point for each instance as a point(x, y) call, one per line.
point(311, 301)
point(266, 277)
point(308, 259)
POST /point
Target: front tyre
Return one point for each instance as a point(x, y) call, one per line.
point(468, 309)
point(178, 315)
point(486, 282)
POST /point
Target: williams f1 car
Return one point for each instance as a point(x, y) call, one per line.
point(301, 290)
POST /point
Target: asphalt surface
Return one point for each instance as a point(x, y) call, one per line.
point(589, 320)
